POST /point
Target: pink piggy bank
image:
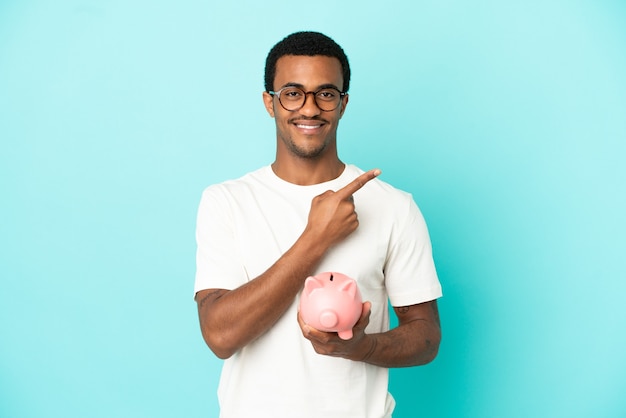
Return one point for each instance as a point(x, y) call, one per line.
point(331, 302)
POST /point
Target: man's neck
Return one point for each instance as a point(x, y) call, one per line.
point(305, 173)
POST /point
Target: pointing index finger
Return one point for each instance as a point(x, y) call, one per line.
point(352, 187)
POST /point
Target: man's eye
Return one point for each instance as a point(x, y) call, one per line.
point(327, 94)
point(292, 94)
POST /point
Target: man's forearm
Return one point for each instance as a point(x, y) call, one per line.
point(412, 344)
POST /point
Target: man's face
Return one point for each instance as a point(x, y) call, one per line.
point(307, 132)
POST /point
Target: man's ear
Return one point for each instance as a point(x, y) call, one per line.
point(268, 101)
point(344, 103)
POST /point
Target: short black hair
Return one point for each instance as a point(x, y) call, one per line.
point(305, 43)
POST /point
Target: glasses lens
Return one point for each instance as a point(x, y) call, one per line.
point(292, 98)
point(328, 99)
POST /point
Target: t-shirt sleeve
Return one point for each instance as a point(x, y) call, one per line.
point(410, 274)
point(218, 262)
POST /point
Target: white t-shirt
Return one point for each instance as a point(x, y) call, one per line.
point(245, 225)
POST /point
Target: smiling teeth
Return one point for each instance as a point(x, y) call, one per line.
point(308, 126)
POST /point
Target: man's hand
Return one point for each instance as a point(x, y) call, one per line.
point(332, 217)
point(357, 348)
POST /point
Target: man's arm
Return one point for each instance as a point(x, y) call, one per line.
point(230, 319)
point(415, 341)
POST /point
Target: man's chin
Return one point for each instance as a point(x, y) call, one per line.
point(307, 152)
point(308, 148)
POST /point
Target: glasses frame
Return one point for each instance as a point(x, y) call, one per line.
point(306, 95)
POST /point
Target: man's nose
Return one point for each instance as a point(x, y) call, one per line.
point(310, 108)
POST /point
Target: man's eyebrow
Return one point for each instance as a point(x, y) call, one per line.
point(329, 86)
point(300, 86)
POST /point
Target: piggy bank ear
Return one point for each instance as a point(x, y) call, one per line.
point(349, 287)
point(311, 283)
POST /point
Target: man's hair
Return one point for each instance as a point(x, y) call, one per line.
point(309, 44)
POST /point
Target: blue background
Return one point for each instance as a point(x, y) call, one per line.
point(505, 119)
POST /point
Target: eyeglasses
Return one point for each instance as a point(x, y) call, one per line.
point(294, 98)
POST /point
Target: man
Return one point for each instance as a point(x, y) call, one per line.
point(260, 237)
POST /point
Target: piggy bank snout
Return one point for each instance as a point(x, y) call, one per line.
point(329, 319)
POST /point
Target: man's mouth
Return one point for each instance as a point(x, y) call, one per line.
point(311, 127)
point(308, 125)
